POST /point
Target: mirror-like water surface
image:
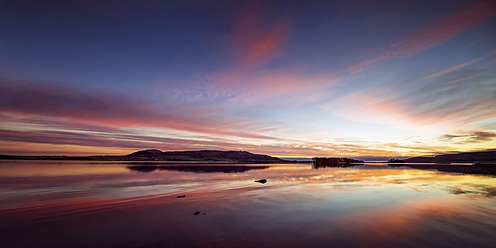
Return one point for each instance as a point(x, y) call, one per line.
point(81, 204)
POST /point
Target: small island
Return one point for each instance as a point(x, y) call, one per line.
point(323, 162)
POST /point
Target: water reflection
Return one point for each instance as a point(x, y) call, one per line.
point(454, 168)
point(343, 165)
point(197, 168)
point(104, 205)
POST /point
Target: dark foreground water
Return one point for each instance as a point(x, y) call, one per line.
point(81, 204)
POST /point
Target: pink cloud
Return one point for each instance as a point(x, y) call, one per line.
point(256, 39)
point(259, 47)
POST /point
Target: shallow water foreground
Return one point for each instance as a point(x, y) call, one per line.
point(82, 204)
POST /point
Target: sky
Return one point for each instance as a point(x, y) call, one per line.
point(283, 78)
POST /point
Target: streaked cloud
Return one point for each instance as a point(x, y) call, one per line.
point(443, 100)
point(402, 111)
point(34, 99)
point(454, 68)
point(471, 137)
point(434, 34)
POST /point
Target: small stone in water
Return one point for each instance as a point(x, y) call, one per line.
point(261, 181)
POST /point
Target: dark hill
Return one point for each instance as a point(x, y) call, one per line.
point(204, 155)
point(465, 157)
point(151, 152)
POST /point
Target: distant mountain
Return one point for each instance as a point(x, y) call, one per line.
point(157, 155)
point(465, 157)
point(204, 155)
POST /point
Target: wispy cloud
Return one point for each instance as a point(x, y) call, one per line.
point(277, 84)
point(434, 34)
point(457, 67)
point(471, 137)
point(47, 101)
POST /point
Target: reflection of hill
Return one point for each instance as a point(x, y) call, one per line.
point(197, 168)
point(314, 166)
point(322, 162)
point(204, 155)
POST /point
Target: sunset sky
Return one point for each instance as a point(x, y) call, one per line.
point(283, 78)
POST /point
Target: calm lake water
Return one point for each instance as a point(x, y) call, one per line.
point(101, 204)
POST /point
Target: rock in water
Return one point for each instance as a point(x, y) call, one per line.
point(261, 181)
point(197, 213)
